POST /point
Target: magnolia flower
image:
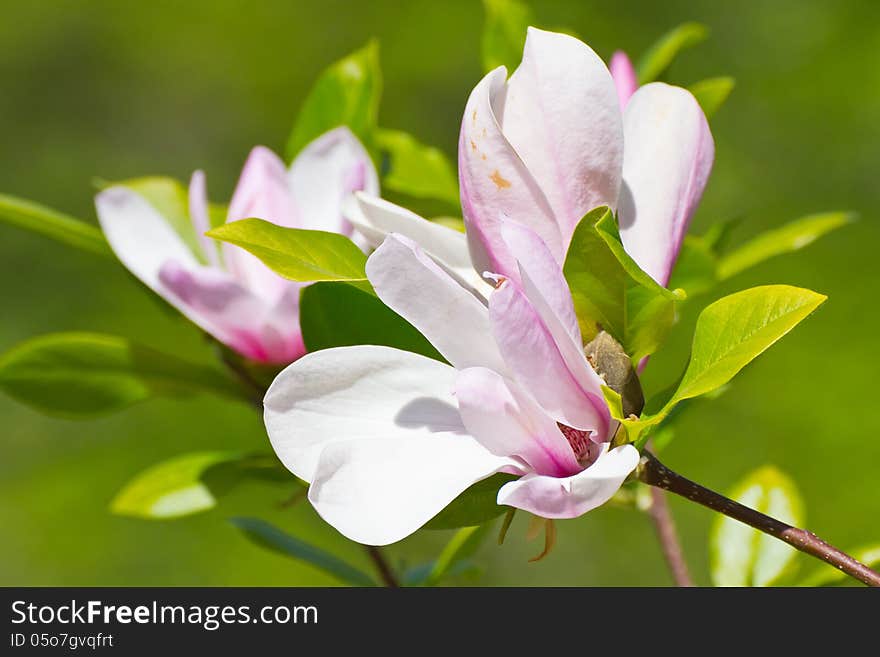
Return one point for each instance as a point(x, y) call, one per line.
point(388, 438)
point(551, 143)
point(226, 291)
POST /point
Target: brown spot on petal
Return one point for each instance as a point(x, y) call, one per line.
point(483, 155)
point(500, 181)
point(474, 116)
point(473, 145)
point(484, 132)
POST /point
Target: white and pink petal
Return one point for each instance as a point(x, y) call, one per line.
point(667, 161)
point(495, 183)
point(453, 319)
point(570, 497)
point(562, 115)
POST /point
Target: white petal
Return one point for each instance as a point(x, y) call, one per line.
point(355, 393)
point(667, 161)
point(375, 218)
point(325, 173)
point(417, 289)
point(198, 212)
point(382, 490)
point(139, 235)
point(569, 497)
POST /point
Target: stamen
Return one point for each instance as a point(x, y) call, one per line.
point(580, 442)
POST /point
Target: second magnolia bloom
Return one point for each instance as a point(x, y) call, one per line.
point(225, 290)
point(551, 143)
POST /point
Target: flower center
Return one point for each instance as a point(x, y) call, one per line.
point(580, 443)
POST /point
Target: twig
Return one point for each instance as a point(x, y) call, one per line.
point(664, 525)
point(387, 575)
point(654, 473)
point(257, 391)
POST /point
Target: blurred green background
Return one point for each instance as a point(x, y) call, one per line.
point(118, 89)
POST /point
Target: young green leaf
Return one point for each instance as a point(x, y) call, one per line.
point(271, 538)
point(296, 253)
point(830, 576)
point(54, 225)
point(347, 93)
point(659, 56)
point(504, 34)
point(711, 93)
point(339, 314)
point(475, 506)
point(415, 169)
point(736, 329)
point(462, 545)
point(86, 374)
point(611, 292)
point(742, 556)
point(790, 237)
point(189, 483)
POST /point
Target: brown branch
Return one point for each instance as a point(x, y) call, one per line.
point(389, 579)
point(668, 537)
point(654, 473)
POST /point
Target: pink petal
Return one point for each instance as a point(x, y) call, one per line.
point(669, 154)
point(570, 497)
point(231, 313)
point(262, 192)
point(533, 355)
point(198, 212)
point(562, 116)
point(507, 422)
point(495, 183)
point(541, 274)
point(625, 78)
point(325, 173)
point(546, 289)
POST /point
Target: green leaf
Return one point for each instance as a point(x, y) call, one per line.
point(87, 374)
point(347, 93)
point(830, 576)
point(462, 545)
point(475, 506)
point(790, 237)
point(339, 315)
point(659, 56)
point(736, 329)
point(742, 556)
point(171, 199)
point(271, 538)
point(504, 34)
point(190, 483)
point(54, 225)
point(415, 169)
point(611, 292)
point(711, 93)
point(719, 234)
point(296, 253)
